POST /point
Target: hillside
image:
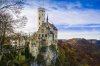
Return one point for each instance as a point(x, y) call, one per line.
point(79, 52)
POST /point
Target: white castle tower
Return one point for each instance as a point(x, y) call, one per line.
point(41, 16)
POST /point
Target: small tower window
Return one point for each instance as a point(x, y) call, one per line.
point(39, 18)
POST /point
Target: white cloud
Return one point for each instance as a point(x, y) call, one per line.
point(31, 14)
point(73, 5)
point(74, 16)
point(60, 16)
point(87, 35)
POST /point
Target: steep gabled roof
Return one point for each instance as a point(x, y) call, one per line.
point(48, 26)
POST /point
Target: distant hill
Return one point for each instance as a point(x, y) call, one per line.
point(80, 51)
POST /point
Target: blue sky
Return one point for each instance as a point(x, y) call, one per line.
point(91, 4)
point(73, 18)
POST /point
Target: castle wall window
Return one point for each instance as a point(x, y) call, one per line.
point(42, 35)
point(45, 35)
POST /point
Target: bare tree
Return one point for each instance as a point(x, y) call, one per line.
point(5, 22)
point(9, 18)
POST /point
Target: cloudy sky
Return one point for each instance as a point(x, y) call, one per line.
point(73, 18)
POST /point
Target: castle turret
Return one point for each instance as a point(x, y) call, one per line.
point(41, 16)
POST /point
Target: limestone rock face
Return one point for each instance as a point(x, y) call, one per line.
point(46, 56)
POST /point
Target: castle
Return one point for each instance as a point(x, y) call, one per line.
point(45, 37)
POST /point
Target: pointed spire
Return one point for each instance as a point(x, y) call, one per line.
point(47, 19)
